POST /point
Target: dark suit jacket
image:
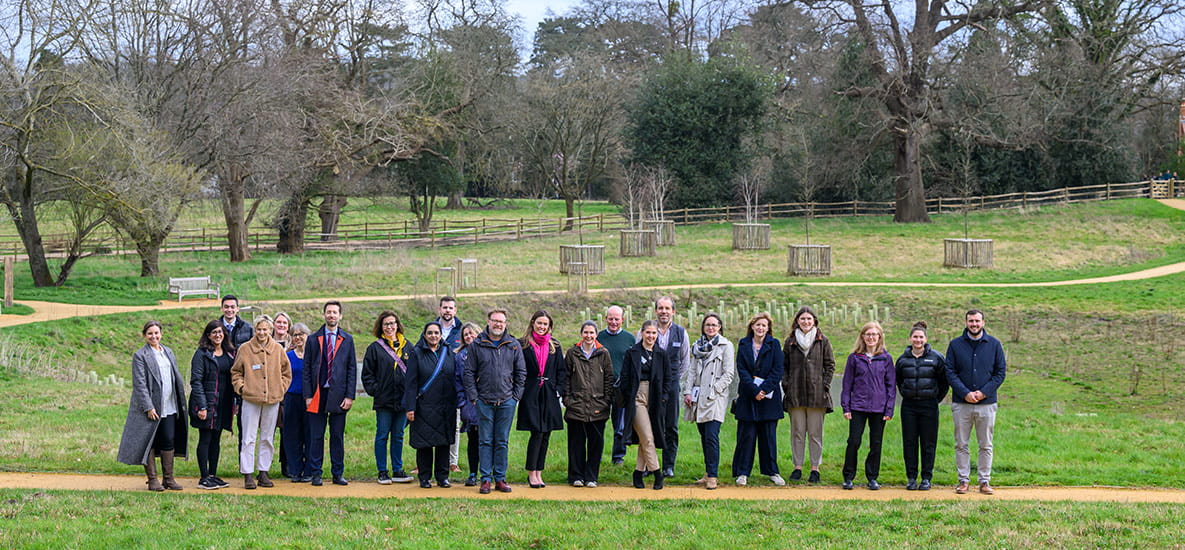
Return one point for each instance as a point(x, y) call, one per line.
point(343, 381)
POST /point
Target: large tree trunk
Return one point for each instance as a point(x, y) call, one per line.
point(25, 218)
point(291, 226)
point(149, 251)
point(455, 201)
point(233, 201)
point(330, 213)
point(907, 176)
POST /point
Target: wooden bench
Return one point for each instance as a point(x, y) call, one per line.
point(193, 286)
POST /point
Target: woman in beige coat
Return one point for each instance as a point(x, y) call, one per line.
point(261, 374)
point(705, 387)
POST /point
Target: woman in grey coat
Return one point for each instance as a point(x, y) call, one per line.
point(157, 421)
point(706, 386)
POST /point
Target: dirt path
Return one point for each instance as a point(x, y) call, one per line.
point(49, 311)
point(359, 489)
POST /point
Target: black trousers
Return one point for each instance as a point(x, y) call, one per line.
point(166, 432)
point(709, 435)
point(763, 435)
point(919, 430)
point(670, 448)
point(586, 442)
point(472, 448)
point(433, 460)
point(337, 443)
point(876, 432)
point(537, 450)
point(208, 448)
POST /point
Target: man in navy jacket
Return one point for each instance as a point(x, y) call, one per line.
point(975, 367)
point(330, 378)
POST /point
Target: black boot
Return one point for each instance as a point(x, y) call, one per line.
point(639, 481)
point(658, 479)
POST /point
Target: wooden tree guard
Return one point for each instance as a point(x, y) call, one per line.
point(750, 236)
point(449, 275)
point(664, 229)
point(638, 243)
point(577, 277)
point(967, 253)
point(466, 274)
point(809, 259)
point(592, 255)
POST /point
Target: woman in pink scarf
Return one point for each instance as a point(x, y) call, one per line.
point(539, 412)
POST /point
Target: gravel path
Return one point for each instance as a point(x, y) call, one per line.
point(359, 489)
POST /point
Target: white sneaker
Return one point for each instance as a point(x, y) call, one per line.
point(742, 481)
point(591, 484)
point(777, 480)
point(578, 483)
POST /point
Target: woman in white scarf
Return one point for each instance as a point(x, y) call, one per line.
point(806, 385)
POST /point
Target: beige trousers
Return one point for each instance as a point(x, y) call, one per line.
point(647, 457)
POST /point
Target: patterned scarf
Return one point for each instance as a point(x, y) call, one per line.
point(703, 347)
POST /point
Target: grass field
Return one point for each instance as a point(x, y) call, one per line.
point(1075, 241)
point(1091, 397)
point(57, 519)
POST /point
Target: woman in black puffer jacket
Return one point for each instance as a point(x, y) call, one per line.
point(921, 382)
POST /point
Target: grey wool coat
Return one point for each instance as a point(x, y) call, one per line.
point(135, 447)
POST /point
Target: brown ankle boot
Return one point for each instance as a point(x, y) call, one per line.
point(166, 468)
point(248, 481)
point(150, 471)
point(263, 481)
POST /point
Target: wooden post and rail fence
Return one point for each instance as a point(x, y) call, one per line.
point(379, 235)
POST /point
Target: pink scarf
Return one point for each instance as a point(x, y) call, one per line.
point(541, 344)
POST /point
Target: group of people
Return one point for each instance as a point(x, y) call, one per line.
point(462, 378)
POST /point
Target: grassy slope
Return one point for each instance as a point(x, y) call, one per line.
point(1067, 415)
point(1092, 240)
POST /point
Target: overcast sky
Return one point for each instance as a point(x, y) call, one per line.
point(532, 12)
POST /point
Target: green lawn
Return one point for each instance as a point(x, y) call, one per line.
point(56, 519)
point(1056, 243)
point(1091, 397)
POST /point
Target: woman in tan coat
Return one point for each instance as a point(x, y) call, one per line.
point(261, 374)
point(810, 366)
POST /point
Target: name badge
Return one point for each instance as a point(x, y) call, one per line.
point(256, 367)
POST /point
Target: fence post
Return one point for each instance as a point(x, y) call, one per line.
point(855, 207)
point(9, 277)
point(433, 236)
point(601, 222)
point(1108, 191)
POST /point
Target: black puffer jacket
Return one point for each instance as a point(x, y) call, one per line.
point(921, 378)
point(382, 378)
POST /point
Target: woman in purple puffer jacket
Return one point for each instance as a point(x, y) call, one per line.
point(868, 397)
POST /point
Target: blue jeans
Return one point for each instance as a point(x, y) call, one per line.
point(390, 425)
point(493, 438)
point(617, 418)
